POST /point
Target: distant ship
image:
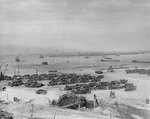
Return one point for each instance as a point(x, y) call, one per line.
point(17, 59)
point(109, 60)
point(41, 56)
point(86, 57)
point(135, 61)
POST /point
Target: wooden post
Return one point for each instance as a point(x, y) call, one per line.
point(110, 114)
point(32, 110)
point(79, 106)
point(54, 116)
point(7, 96)
point(95, 101)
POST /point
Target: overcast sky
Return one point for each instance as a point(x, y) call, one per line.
point(97, 25)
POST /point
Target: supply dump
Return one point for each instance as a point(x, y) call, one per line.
point(101, 87)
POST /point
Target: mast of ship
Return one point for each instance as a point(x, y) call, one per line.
point(36, 71)
point(14, 71)
point(18, 70)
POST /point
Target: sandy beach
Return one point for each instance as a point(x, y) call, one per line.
point(135, 98)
